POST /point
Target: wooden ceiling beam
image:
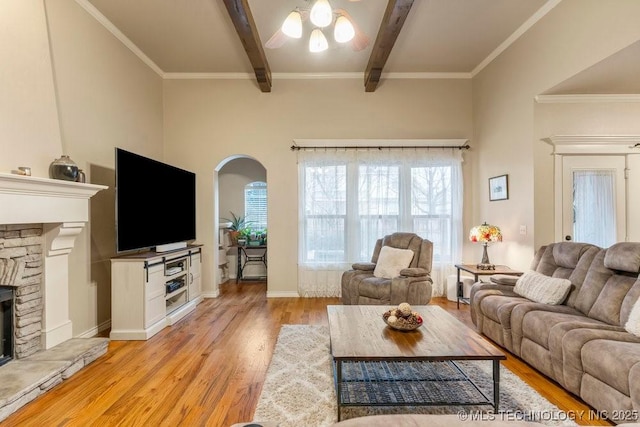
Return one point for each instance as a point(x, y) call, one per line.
point(242, 19)
point(392, 22)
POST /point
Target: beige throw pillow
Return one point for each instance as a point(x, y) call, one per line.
point(391, 261)
point(540, 288)
point(633, 323)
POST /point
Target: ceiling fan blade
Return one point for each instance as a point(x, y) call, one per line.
point(360, 40)
point(277, 40)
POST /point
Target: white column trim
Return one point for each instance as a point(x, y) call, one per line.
point(594, 144)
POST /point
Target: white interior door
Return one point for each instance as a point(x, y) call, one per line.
point(593, 199)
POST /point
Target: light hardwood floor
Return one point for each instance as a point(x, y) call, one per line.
point(208, 369)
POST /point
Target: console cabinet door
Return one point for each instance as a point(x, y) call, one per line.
point(154, 306)
point(195, 281)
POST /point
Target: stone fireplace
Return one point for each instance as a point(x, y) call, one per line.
point(6, 324)
point(39, 221)
point(21, 272)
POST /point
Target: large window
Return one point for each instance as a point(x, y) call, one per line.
point(255, 205)
point(351, 199)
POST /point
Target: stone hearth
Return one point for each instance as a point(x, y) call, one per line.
point(25, 379)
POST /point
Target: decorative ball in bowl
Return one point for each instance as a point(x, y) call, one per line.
point(402, 318)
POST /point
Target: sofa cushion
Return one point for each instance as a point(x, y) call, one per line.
point(629, 302)
point(498, 308)
point(540, 288)
point(391, 261)
point(609, 302)
point(633, 323)
point(536, 325)
point(596, 278)
point(568, 260)
point(531, 310)
point(567, 254)
point(610, 361)
point(624, 256)
point(566, 343)
point(375, 288)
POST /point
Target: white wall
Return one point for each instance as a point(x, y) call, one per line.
point(206, 121)
point(107, 98)
point(29, 130)
point(573, 36)
point(75, 90)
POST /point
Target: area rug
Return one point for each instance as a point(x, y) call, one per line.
point(299, 388)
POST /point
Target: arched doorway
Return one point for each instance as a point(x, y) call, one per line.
point(241, 192)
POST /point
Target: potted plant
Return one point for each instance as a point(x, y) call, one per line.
point(245, 236)
point(237, 224)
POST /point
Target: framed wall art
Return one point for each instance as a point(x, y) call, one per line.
point(498, 188)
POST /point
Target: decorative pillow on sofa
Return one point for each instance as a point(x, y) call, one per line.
point(391, 261)
point(633, 323)
point(540, 288)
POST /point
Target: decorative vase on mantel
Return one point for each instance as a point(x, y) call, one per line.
point(63, 168)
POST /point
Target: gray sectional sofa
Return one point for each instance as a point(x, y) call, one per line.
point(581, 343)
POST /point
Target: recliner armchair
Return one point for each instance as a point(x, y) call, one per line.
point(413, 285)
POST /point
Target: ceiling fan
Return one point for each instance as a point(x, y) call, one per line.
point(357, 39)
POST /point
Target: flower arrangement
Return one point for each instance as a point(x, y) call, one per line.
point(402, 318)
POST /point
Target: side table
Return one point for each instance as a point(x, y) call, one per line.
point(476, 272)
point(247, 256)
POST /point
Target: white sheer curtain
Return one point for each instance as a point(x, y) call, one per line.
point(594, 207)
point(350, 198)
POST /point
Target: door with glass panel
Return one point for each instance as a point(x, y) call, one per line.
point(593, 199)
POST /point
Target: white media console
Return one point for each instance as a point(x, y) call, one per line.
point(152, 290)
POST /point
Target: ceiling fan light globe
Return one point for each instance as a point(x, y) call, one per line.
point(321, 13)
point(343, 30)
point(292, 26)
point(317, 41)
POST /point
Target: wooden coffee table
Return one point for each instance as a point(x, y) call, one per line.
point(375, 365)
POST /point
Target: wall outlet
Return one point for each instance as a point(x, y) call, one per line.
point(523, 230)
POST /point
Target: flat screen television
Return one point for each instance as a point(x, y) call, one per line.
point(155, 204)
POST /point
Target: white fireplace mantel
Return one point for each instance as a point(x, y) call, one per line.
point(63, 208)
point(27, 200)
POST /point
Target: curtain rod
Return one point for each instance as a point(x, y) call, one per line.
point(379, 147)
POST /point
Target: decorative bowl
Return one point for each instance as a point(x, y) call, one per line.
point(403, 324)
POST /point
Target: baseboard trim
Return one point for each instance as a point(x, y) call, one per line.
point(95, 331)
point(282, 294)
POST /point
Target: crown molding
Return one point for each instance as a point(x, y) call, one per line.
point(586, 98)
point(427, 75)
point(91, 9)
point(311, 76)
point(208, 76)
point(546, 8)
point(445, 143)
